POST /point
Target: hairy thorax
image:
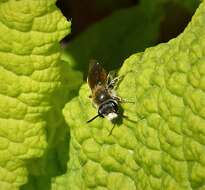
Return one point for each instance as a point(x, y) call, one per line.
point(100, 94)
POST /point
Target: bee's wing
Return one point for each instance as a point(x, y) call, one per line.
point(96, 74)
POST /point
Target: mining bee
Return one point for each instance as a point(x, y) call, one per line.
point(104, 97)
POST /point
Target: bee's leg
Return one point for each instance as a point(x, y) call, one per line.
point(111, 130)
point(127, 101)
point(119, 99)
point(110, 77)
point(113, 83)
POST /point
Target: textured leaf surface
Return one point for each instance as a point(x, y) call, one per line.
point(54, 160)
point(30, 70)
point(113, 39)
point(162, 144)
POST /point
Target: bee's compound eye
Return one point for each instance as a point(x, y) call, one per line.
point(101, 111)
point(115, 106)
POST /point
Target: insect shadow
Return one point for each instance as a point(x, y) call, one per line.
point(119, 120)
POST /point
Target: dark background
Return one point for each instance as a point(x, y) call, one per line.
point(109, 31)
point(84, 13)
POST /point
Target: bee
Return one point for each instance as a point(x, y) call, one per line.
point(104, 97)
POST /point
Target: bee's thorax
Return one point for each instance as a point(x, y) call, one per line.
point(101, 94)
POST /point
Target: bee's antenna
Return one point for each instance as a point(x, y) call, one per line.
point(93, 118)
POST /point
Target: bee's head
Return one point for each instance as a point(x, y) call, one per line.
point(108, 109)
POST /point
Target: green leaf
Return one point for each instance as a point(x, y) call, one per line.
point(162, 143)
point(31, 82)
point(190, 5)
point(55, 157)
point(115, 38)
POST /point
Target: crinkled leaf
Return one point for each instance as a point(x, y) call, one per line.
point(30, 73)
point(115, 38)
point(55, 157)
point(161, 144)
